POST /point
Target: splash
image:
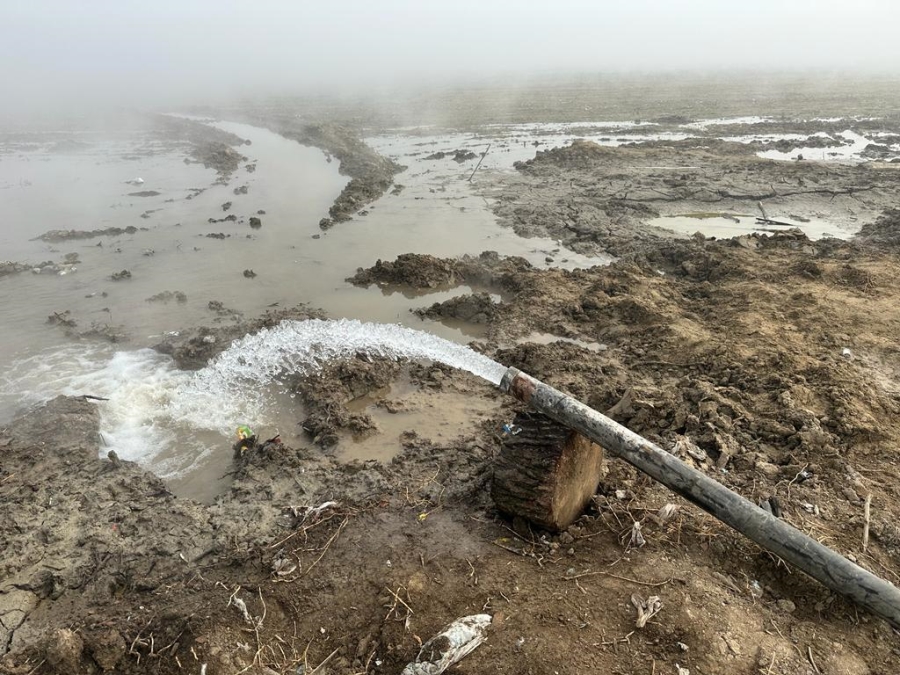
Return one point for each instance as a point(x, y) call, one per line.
point(173, 421)
point(253, 364)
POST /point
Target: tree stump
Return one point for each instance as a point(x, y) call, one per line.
point(546, 473)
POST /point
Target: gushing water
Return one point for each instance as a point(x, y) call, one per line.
point(257, 361)
point(173, 421)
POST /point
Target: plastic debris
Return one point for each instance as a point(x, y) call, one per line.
point(511, 429)
point(846, 353)
point(450, 646)
point(756, 590)
point(646, 609)
point(666, 512)
point(637, 539)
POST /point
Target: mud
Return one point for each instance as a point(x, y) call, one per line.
point(67, 235)
point(192, 349)
point(477, 308)
point(884, 232)
point(211, 147)
point(9, 267)
point(423, 271)
point(371, 175)
point(768, 361)
point(599, 199)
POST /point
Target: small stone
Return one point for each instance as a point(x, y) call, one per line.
point(566, 538)
point(786, 605)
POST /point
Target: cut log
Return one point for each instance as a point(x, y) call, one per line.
point(546, 473)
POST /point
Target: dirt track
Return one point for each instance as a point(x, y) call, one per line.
point(730, 352)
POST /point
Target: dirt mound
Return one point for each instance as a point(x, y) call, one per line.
point(459, 156)
point(371, 175)
point(219, 156)
point(475, 308)
point(10, 267)
point(326, 394)
point(579, 154)
point(884, 232)
point(425, 271)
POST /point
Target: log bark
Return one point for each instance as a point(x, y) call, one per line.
point(546, 473)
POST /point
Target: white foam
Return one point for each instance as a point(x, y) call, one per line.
point(255, 362)
point(137, 383)
point(170, 420)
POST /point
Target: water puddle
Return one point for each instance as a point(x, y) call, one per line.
point(725, 227)
point(851, 150)
point(436, 415)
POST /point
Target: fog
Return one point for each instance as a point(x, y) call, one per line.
point(62, 55)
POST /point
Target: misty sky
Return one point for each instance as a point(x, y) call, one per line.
point(161, 51)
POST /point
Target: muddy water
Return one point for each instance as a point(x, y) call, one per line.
point(435, 415)
point(723, 227)
point(86, 189)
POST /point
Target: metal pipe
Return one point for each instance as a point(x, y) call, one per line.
point(788, 543)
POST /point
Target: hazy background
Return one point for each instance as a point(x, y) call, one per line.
point(67, 55)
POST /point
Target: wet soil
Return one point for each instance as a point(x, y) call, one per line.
point(371, 175)
point(599, 199)
point(709, 353)
point(767, 361)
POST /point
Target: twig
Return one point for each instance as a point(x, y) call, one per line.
point(398, 599)
point(868, 517)
point(33, 670)
point(477, 166)
point(616, 576)
point(327, 545)
point(812, 661)
point(327, 659)
point(617, 640)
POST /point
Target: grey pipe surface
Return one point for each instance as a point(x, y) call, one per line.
point(788, 543)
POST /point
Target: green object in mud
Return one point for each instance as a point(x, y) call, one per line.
point(244, 432)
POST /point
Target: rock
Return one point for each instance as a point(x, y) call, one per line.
point(118, 276)
point(250, 274)
point(255, 222)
